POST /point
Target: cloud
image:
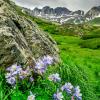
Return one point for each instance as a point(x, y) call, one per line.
point(71, 4)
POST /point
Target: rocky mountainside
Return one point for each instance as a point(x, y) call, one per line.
point(51, 11)
point(78, 12)
point(64, 15)
point(20, 39)
point(93, 13)
point(58, 11)
point(58, 14)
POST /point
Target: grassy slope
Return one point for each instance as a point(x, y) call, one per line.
point(92, 38)
point(85, 59)
point(95, 21)
point(80, 66)
point(78, 59)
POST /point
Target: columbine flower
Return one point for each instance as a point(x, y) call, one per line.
point(77, 89)
point(48, 60)
point(19, 70)
point(14, 73)
point(31, 96)
point(77, 93)
point(23, 74)
point(67, 87)
point(8, 75)
point(11, 80)
point(31, 79)
point(40, 67)
point(22, 77)
point(58, 96)
point(41, 64)
point(54, 77)
point(13, 68)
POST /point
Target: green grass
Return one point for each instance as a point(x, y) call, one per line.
point(87, 60)
point(95, 21)
point(91, 43)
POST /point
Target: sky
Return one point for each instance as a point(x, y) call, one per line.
point(70, 4)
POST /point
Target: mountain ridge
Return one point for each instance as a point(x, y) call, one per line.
point(64, 15)
point(93, 13)
point(58, 14)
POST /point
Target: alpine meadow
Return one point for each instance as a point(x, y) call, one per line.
point(49, 53)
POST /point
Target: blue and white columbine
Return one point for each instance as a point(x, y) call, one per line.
point(48, 60)
point(15, 71)
point(13, 68)
point(58, 96)
point(11, 80)
point(77, 93)
point(42, 64)
point(54, 77)
point(67, 87)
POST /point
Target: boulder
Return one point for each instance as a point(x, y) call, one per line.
point(21, 40)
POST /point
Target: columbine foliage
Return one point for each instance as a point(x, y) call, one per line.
point(18, 73)
point(15, 71)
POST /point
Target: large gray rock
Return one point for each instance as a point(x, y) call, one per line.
point(20, 39)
